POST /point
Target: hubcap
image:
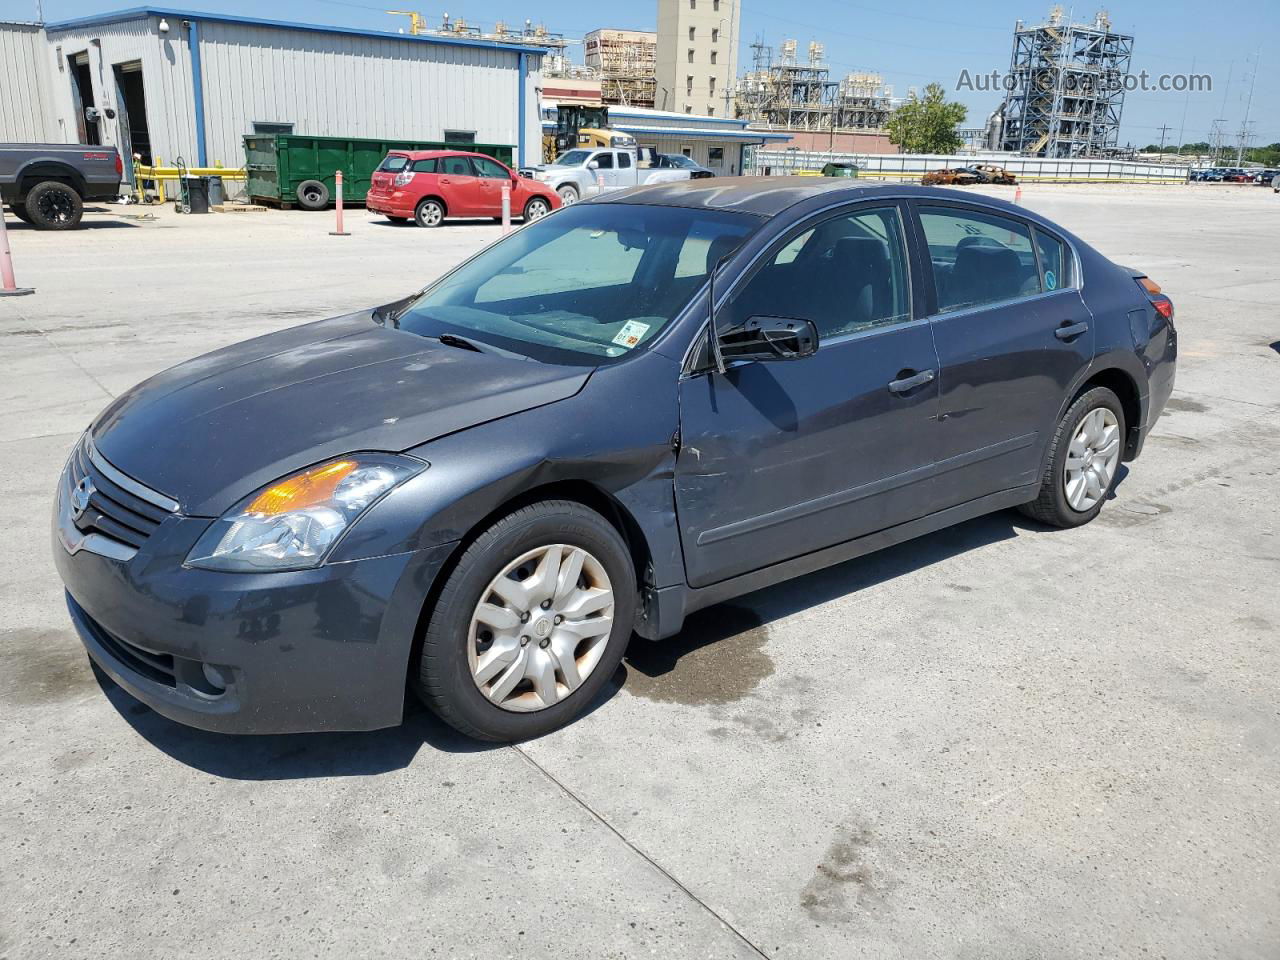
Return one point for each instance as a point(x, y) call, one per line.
point(1092, 459)
point(56, 206)
point(431, 214)
point(540, 628)
point(537, 209)
point(567, 197)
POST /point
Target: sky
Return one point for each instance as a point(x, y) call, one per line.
point(909, 44)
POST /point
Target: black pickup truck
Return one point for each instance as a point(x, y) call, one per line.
point(47, 184)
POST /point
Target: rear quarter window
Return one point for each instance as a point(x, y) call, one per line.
point(393, 163)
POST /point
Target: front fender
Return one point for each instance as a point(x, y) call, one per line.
point(602, 437)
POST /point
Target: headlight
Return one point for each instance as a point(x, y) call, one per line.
point(291, 524)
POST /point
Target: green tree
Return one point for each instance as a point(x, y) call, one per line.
point(927, 124)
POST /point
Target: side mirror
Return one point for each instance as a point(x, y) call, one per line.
point(593, 165)
point(770, 338)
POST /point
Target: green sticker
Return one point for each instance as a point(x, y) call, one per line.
point(1050, 281)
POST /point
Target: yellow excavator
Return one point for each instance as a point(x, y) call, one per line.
point(582, 126)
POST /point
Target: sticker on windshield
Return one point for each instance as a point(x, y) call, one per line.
point(631, 333)
point(1050, 281)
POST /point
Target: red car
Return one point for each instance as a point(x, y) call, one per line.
point(428, 185)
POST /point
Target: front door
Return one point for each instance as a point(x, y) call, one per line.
point(778, 459)
point(461, 187)
point(492, 175)
point(1012, 334)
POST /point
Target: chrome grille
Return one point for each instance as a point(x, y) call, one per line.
point(103, 501)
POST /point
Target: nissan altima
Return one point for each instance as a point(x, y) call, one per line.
point(628, 410)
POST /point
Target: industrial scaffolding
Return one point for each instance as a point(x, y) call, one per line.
point(788, 95)
point(1066, 88)
point(625, 61)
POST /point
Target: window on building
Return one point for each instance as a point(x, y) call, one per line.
point(269, 127)
point(691, 34)
point(693, 4)
point(711, 111)
point(715, 155)
point(713, 56)
point(688, 108)
point(715, 34)
point(459, 136)
point(715, 5)
point(711, 85)
point(688, 84)
point(978, 257)
point(691, 54)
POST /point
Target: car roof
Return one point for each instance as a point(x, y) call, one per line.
point(768, 196)
point(428, 154)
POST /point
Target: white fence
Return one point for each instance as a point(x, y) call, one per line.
point(911, 166)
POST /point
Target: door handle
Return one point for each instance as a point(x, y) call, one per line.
point(907, 384)
point(1069, 331)
point(445, 180)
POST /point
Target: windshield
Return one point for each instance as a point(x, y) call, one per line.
point(573, 158)
point(679, 160)
point(584, 286)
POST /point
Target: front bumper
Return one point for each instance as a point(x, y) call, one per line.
point(313, 650)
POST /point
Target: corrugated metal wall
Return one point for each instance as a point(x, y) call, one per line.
point(26, 115)
point(166, 81)
point(345, 85)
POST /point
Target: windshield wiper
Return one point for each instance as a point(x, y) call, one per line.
point(464, 343)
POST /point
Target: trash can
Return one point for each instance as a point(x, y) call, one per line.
point(197, 194)
point(217, 193)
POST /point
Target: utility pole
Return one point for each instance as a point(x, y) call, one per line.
point(1248, 106)
point(1182, 129)
point(1163, 132)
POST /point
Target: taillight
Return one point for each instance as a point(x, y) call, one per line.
point(1163, 305)
point(119, 164)
point(403, 177)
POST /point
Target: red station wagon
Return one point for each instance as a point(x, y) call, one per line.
point(428, 185)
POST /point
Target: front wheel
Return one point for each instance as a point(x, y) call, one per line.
point(531, 623)
point(536, 209)
point(568, 195)
point(1084, 456)
point(430, 213)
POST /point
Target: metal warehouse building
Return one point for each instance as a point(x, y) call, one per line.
point(168, 83)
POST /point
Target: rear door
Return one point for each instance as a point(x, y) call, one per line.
point(460, 186)
point(1012, 334)
point(382, 183)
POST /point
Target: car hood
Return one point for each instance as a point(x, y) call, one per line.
point(211, 431)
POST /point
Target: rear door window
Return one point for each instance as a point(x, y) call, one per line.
point(978, 257)
point(425, 166)
point(456, 166)
point(624, 161)
point(1054, 267)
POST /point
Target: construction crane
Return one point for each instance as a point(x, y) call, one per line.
point(417, 25)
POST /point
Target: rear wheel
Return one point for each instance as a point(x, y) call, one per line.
point(1084, 456)
point(568, 195)
point(313, 195)
point(430, 213)
point(530, 624)
point(536, 209)
point(54, 206)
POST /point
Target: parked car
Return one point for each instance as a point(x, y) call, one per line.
point(427, 186)
point(678, 161)
point(967, 176)
point(587, 172)
point(487, 487)
point(47, 184)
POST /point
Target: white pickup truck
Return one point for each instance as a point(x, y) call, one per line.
point(587, 171)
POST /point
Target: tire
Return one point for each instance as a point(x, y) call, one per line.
point(52, 205)
point(455, 638)
point(430, 213)
point(313, 195)
point(536, 209)
point(1053, 506)
point(20, 211)
point(568, 195)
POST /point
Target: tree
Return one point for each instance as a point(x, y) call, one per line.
point(927, 124)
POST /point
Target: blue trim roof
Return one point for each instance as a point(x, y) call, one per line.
point(760, 135)
point(135, 13)
point(642, 114)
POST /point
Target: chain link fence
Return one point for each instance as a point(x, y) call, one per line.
point(911, 167)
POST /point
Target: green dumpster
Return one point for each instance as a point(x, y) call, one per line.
point(289, 168)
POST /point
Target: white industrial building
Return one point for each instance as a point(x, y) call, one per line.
point(168, 83)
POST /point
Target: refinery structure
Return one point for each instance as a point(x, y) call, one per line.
point(624, 61)
point(784, 94)
point(1066, 90)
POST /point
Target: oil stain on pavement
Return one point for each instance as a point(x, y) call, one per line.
point(847, 881)
point(43, 666)
point(717, 658)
